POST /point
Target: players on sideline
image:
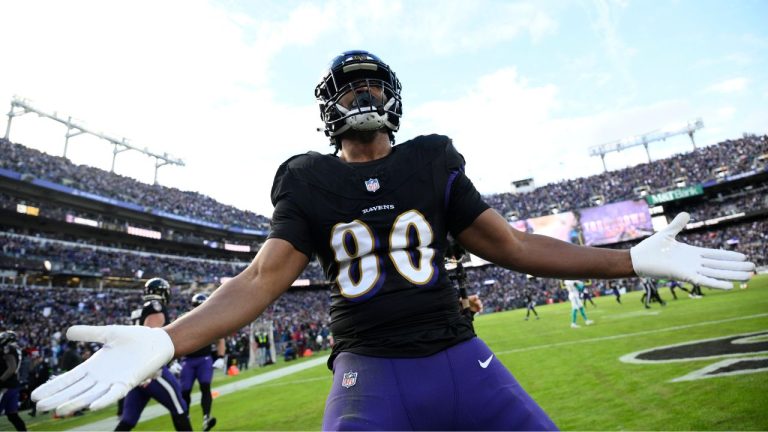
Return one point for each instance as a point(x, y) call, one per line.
point(586, 293)
point(575, 288)
point(161, 385)
point(199, 366)
point(530, 304)
point(673, 284)
point(9, 379)
point(377, 216)
point(651, 292)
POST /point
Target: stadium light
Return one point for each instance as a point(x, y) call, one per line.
point(688, 128)
point(20, 106)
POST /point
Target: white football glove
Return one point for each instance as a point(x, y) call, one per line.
point(130, 355)
point(219, 363)
point(175, 367)
point(661, 256)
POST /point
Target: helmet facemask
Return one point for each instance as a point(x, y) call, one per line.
point(367, 107)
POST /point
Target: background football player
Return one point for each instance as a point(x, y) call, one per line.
point(199, 366)
point(9, 379)
point(530, 304)
point(574, 295)
point(377, 217)
point(651, 293)
point(161, 385)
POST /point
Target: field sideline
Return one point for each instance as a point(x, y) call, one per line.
point(575, 374)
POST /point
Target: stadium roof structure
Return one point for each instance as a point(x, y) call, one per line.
point(643, 140)
point(20, 106)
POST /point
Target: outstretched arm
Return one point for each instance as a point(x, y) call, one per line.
point(130, 354)
point(492, 238)
point(658, 256)
point(241, 299)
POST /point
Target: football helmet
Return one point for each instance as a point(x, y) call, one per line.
point(359, 72)
point(199, 299)
point(8, 337)
point(157, 289)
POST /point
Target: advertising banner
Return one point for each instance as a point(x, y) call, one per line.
point(613, 223)
point(562, 226)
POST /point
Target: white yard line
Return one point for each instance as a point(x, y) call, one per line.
point(158, 410)
point(628, 335)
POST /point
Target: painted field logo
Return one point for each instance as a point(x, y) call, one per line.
point(742, 353)
point(349, 379)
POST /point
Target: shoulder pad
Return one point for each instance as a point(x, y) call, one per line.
point(153, 306)
point(283, 178)
point(434, 146)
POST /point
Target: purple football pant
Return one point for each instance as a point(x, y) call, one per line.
point(164, 389)
point(9, 402)
point(450, 390)
point(196, 368)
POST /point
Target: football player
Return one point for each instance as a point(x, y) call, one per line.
point(673, 284)
point(651, 292)
point(574, 295)
point(586, 293)
point(377, 216)
point(161, 385)
point(9, 379)
point(199, 366)
point(530, 304)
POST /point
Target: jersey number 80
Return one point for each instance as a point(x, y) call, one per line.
point(360, 265)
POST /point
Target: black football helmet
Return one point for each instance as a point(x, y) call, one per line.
point(157, 289)
point(368, 110)
point(8, 337)
point(199, 299)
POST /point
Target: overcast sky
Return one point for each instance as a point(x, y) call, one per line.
point(524, 88)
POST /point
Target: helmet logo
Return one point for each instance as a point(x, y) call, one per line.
point(372, 185)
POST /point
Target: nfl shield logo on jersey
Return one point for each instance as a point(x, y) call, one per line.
point(349, 379)
point(372, 185)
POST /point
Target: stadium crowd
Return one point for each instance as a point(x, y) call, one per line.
point(31, 162)
point(735, 156)
point(698, 166)
point(51, 211)
point(76, 257)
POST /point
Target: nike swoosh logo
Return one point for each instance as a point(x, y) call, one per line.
point(485, 363)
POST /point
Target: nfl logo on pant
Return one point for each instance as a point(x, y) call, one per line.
point(349, 379)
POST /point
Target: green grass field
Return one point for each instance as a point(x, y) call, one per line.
point(574, 374)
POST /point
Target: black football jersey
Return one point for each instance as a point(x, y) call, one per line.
point(151, 307)
point(379, 230)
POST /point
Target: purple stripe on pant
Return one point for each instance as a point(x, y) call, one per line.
point(196, 368)
point(450, 390)
point(164, 389)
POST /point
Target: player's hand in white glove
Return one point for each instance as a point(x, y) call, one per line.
point(661, 256)
point(130, 355)
point(219, 363)
point(175, 367)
